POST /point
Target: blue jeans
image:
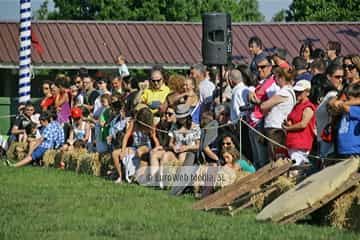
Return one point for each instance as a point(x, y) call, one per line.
point(325, 148)
point(259, 148)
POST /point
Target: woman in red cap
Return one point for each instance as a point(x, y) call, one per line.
point(80, 129)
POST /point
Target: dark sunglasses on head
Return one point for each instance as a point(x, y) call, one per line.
point(349, 66)
point(262, 66)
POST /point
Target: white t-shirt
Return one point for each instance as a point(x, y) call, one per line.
point(206, 89)
point(322, 115)
point(279, 112)
point(239, 98)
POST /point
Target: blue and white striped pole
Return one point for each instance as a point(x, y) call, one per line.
point(25, 51)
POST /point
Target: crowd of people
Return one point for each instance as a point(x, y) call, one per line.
point(308, 105)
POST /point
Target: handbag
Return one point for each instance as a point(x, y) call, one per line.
point(327, 133)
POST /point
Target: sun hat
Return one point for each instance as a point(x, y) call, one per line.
point(76, 112)
point(182, 111)
point(302, 85)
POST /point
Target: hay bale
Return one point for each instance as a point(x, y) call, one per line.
point(17, 150)
point(345, 210)
point(49, 158)
point(275, 189)
point(84, 164)
point(69, 162)
point(106, 164)
point(96, 165)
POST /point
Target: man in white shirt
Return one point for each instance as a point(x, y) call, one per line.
point(206, 87)
point(239, 96)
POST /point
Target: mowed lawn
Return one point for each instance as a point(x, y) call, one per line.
point(38, 203)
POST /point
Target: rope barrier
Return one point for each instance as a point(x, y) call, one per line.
point(252, 129)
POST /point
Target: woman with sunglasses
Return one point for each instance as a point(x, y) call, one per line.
point(324, 120)
point(351, 65)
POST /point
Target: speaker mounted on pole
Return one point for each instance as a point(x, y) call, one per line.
point(216, 39)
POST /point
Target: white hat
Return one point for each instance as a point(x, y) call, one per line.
point(302, 85)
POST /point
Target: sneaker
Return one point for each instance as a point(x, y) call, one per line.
point(118, 181)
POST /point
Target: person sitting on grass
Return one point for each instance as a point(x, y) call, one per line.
point(46, 142)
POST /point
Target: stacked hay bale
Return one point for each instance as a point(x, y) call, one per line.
point(344, 212)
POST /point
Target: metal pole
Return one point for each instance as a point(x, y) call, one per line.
point(240, 138)
point(25, 51)
point(221, 83)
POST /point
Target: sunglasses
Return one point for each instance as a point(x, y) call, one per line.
point(338, 76)
point(78, 82)
point(227, 143)
point(156, 80)
point(349, 66)
point(169, 114)
point(46, 88)
point(262, 66)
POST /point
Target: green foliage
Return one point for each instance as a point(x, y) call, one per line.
point(324, 10)
point(151, 10)
point(279, 16)
point(38, 203)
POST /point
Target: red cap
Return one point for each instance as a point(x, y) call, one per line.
point(76, 112)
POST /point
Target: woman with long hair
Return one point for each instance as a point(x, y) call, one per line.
point(137, 141)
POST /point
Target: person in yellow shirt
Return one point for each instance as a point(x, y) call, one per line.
point(157, 93)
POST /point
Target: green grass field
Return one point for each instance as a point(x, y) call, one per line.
point(37, 203)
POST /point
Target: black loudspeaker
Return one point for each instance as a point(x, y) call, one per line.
point(216, 38)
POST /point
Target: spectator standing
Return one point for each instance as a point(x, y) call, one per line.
point(62, 99)
point(333, 51)
point(306, 51)
point(256, 50)
point(48, 99)
point(277, 108)
point(279, 58)
point(300, 124)
point(264, 90)
point(348, 140)
point(90, 93)
point(325, 122)
point(300, 65)
point(240, 95)
point(206, 87)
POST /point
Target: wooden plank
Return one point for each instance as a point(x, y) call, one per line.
point(228, 194)
point(352, 181)
point(201, 204)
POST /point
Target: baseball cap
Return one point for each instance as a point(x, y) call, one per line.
point(302, 85)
